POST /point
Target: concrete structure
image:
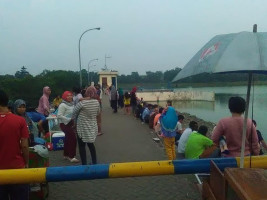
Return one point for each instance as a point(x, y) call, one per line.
point(108, 78)
point(176, 96)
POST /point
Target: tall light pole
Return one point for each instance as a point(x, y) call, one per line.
point(81, 83)
point(89, 68)
point(105, 67)
point(93, 72)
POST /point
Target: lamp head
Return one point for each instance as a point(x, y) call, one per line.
point(97, 28)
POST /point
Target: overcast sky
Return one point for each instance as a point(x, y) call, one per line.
point(138, 35)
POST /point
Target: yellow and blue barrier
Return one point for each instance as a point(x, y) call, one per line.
point(119, 170)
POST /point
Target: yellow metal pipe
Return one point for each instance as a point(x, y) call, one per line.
point(256, 162)
point(141, 169)
point(22, 176)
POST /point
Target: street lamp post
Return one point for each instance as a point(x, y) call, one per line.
point(89, 69)
point(93, 72)
point(80, 52)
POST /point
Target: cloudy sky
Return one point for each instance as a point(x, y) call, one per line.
point(138, 35)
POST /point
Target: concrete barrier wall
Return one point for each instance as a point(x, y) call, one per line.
point(177, 96)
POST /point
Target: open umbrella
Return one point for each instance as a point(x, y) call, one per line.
point(236, 52)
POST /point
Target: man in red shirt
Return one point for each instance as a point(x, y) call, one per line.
point(14, 149)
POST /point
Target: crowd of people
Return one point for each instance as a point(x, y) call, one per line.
point(79, 116)
point(192, 142)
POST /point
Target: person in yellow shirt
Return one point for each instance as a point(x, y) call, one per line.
point(57, 101)
point(127, 103)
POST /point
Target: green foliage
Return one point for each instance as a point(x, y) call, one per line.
point(22, 73)
point(170, 74)
point(30, 88)
point(150, 77)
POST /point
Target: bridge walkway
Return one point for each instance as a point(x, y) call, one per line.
point(125, 139)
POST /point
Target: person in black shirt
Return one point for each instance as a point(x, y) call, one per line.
point(133, 100)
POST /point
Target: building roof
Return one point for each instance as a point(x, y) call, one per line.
point(108, 73)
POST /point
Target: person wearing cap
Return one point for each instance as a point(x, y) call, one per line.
point(66, 124)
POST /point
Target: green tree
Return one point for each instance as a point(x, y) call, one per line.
point(135, 78)
point(170, 74)
point(22, 73)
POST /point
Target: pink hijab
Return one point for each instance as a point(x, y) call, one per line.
point(134, 89)
point(44, 106)
point(91, 92)
point(45, 91)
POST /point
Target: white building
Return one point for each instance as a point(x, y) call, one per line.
point(108, 78)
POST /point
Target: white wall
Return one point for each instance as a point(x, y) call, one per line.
point(181, 96)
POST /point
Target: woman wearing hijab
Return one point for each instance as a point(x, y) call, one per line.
point(19, 108)
point(86, 112)
point(120, 100)
point(133, 99)
point(168, 123)
point(114, 98)
point(66, 124)
point(44, 107)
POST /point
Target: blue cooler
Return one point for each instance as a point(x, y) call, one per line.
point(58, 140)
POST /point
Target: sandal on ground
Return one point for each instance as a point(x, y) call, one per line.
point(74, 160)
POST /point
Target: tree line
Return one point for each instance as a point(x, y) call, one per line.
point(28, 87)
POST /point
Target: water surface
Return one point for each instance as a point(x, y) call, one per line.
point(214, 111)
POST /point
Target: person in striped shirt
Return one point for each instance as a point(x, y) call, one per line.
point(86, 112)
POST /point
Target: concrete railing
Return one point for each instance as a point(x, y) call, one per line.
point(176, 96)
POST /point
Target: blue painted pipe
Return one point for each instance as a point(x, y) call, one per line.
point(201, 165)
point(72, 173)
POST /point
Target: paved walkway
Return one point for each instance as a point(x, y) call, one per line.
point(125, 139)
